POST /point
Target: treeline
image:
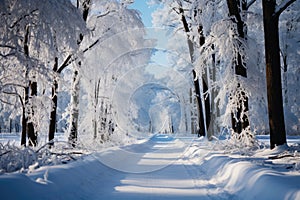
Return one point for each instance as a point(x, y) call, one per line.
point(42, 59)
point(238, 49)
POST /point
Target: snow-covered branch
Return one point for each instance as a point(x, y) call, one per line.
point(106, 13)
point(65, 64)
point(280, 8)
point(14, 158)
point(250, 4)
point(6, 55)
point(7, 46)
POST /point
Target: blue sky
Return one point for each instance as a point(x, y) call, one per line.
point(145, 11)
point(159, 56)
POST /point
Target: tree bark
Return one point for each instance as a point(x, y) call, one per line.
point(214, 109)
point(32, 135)
point(201, 131)
point(52, 124)
point(74, 110)
point(273, 74)
point(24, 118)
point(96, 102)
point(207, 107)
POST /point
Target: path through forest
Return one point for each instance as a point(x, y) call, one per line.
point(160, 167)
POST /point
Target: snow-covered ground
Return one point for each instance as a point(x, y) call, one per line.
point(164, 167)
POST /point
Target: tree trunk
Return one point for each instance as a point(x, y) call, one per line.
point(95, 127)
point(32, 135)
point(285, 81)
point(206, 105)
point(33, 87)
point(205, 80)
point(273, 74)
point(193, 115)
point(52, 124)
point(85, 6)
point(201, 131)
point(24, 118)
point(74, 110)
point(26, 91)
point(239, 122)
point(201, 120)
point(23, 134)
point(96, 102)
point(214, 109)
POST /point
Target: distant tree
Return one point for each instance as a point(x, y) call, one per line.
point(121, 48)
point(271, 14)
point(289, 28)
point(218, 33)
point(186, 11)
point(97, 15)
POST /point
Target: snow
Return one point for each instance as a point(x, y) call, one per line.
point(163, 167)
point(137, 80)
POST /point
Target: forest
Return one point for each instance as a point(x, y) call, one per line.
point(203, 102)
point(61, 60)
point(238, 58)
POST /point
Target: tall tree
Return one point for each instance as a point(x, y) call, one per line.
point(84, 6)
point(203, 124)
point(240, 119)
point(32, 135)
point(271, 14)
point(121, 32)
point(52, 123)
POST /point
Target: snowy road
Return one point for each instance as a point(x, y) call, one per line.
point(159, 169)
point(162, 167)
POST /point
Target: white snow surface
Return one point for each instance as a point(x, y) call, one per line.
point(162, 167)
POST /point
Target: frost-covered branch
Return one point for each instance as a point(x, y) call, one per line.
point(65, 64)
point(7, 46)
point(175, 9)
point(280, 8)
point(70, 59)
point(106, 13)
point(250, 4)
point(14, 158)
point(91, 46)
point(6, 55)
